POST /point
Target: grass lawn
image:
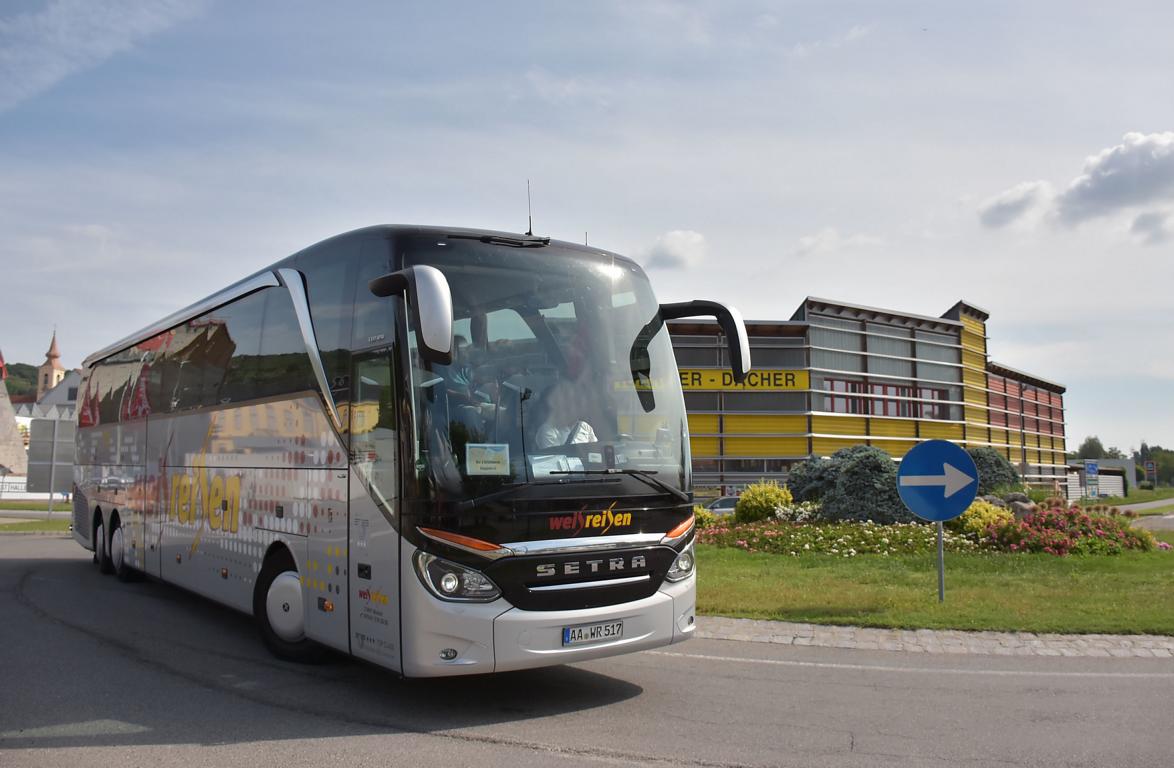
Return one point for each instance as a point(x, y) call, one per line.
point(57, 525)
point(1166, 510)
point(1129, 593)
point(36, 506)
point(1135, 497)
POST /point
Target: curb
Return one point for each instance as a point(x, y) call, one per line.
point(935, 641)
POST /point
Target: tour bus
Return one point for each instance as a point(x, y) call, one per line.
point(443, 451)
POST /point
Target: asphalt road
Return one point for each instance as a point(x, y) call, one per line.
point(97, 672)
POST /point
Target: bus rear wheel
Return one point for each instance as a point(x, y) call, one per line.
point(279, 609)
point(102, 548)
point(118, 563)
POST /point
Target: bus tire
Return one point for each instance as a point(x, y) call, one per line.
point(279, 592)
point(102, 547)
point(118, 564)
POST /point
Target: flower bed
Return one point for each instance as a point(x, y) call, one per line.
point(838, 539)
point(1060, 531)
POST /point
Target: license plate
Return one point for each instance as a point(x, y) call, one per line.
point(593, 633)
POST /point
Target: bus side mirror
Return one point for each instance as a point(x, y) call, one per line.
point(431, 305)
point(731, 324)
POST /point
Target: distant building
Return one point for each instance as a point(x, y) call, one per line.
point(838, 374)
point(13, 458)
point(57, 388)
point(51, 372)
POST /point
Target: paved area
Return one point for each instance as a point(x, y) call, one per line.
point(1143, 506)
point(100, 672)
point(1156, 522)
point(937, 641)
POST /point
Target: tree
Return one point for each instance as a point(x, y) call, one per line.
point(1091, 448)
point(1113, 452)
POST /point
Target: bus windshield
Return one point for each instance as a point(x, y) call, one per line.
point(562, 373)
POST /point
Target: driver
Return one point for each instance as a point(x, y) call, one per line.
point(562, 425)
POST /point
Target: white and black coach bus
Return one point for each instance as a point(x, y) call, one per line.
point(444, 451)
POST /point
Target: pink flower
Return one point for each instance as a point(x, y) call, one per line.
point(1163, 545)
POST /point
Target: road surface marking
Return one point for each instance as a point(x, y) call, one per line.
point(915, 670)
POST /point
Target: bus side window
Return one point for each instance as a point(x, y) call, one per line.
point(374, 317)
point(283, 366)
point(329, 273)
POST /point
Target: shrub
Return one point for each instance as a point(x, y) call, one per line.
point(809, 480)
point(703, 518)
point(759, 501)
point(1071, 531)
point(979, 517)
point(865, 488)
point(812, 479)
point(994, 471)
point(1145, 485)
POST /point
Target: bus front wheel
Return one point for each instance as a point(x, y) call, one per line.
point(279, 609)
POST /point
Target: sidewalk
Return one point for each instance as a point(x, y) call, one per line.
point(935, 641)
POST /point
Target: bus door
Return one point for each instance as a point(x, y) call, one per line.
point(374, 542)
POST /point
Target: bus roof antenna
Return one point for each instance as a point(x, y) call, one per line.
point(529, 215)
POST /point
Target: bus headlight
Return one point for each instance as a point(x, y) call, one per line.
point(451, 581)
point(683, 566)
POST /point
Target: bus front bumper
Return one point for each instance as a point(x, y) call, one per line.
point(496, 637)
point(526, 639)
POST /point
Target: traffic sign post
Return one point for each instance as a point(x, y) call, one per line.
point(1092, 478)
point(937, 481)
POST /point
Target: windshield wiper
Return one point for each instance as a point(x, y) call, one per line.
point(642, 474)
point(508, 490)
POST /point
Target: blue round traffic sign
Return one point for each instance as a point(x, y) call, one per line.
point(937, 480)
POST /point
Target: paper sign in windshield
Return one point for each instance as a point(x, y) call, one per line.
point(487, 458)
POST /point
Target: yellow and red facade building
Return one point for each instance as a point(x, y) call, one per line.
point(838, 374)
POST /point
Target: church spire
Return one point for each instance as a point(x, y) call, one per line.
point(53, 354)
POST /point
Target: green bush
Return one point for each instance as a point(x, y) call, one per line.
point(979, 516)
point(994, 471)
point(1145, 485)
point(812, 479)
point(702, 517)
point(760, 500)
point(865, 488)
point(809, 480)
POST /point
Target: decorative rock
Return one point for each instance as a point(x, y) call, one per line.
point(1021, 509)
point(1010, 497)
point(992, 499)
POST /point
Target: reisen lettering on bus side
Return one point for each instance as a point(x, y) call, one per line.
point(215, 498)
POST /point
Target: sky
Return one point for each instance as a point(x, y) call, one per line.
point(905, 155)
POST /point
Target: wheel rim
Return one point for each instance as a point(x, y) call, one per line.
point(283, 607)
point(116, 547)
point(100, 543)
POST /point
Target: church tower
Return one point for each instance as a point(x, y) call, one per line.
point(51, 372)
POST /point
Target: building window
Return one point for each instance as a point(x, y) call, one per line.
point(844, 401)
point(882, 406)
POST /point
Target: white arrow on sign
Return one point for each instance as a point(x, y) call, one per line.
point(952, 479)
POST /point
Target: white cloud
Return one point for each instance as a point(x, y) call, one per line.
point(1137, 172)
point(1150, 228)
point(39, 50)
point(567, 91)
point(1015, 204)
point(854, 35)
point(828, 241)
point(677, 249)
